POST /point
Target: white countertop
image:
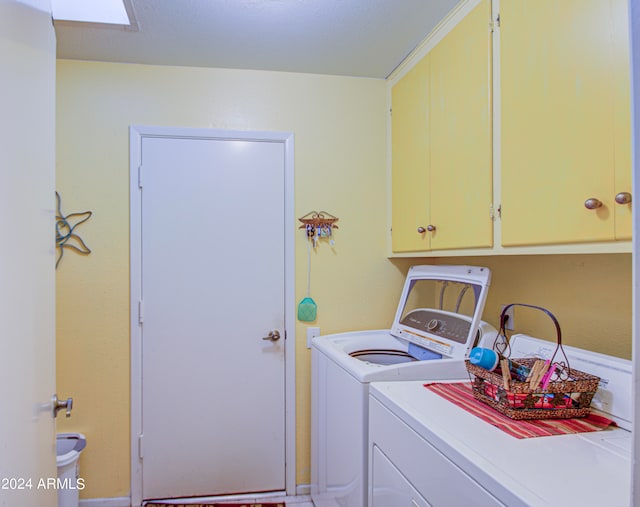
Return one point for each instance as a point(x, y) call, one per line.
point(588, 469)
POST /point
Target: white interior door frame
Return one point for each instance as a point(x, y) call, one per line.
point(634, 25)
point(136, 135)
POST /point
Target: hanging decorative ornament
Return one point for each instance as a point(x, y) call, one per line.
point(307, 308)
point(317, 225)
point(65, 230)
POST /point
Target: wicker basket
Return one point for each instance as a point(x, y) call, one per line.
point(568, 396)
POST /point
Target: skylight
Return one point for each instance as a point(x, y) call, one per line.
point(111, 12)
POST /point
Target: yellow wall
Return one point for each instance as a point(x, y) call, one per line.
point(590, 295)
point(339, 124)
point(340, 167)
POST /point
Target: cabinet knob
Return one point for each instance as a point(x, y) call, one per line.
point(623, 198)
point(421, 230)
point(431, 228)
point(592, 203)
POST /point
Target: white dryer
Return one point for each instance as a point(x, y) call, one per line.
point(437, 322)
point(424, 450)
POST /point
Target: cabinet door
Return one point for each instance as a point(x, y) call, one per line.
point(410, 159)
point(557, 117)
point(461, 135)
point(622, 119)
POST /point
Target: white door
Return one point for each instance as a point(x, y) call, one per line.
point(212, 289)
point(27, 256)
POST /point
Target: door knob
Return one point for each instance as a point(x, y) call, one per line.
point(272, 336)
point(623, 198)
point(58, 405)
point(592, 203)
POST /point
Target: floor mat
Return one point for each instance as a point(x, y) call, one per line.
point(218, 504)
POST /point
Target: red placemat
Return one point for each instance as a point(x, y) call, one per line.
point(460, 394)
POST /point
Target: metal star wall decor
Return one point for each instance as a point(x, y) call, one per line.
point(65, 235)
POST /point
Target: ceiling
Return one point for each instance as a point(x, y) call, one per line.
point(364, 38)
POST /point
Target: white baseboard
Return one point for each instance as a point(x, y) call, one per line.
point(303, 489)
point(122, 501)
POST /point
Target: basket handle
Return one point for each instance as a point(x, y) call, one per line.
point(503, 320)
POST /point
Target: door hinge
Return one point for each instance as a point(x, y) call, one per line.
point(494, 24)
point(140, 453)
point(495, 213)
point(140, 312)
point(140, 176)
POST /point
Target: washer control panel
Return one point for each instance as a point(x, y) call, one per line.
point(441, 324)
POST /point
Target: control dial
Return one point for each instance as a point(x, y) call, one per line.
point(433, 324)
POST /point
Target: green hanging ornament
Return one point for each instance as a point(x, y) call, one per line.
point(307, 310)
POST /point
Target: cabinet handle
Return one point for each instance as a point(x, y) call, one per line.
point(421, 230)
point(623, 198)
point(592, 203)
point(431, 228)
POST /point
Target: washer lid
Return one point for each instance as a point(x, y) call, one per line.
point(441, 307)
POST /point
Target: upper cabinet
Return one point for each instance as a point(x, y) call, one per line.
point(410, 159)
point(565, 121)
point(460, 135)
point(622, 117)
point(441, 143)
point(516, 126)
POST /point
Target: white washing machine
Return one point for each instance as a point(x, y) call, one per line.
point(436, 324)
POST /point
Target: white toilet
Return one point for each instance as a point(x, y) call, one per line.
point(68, 449)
